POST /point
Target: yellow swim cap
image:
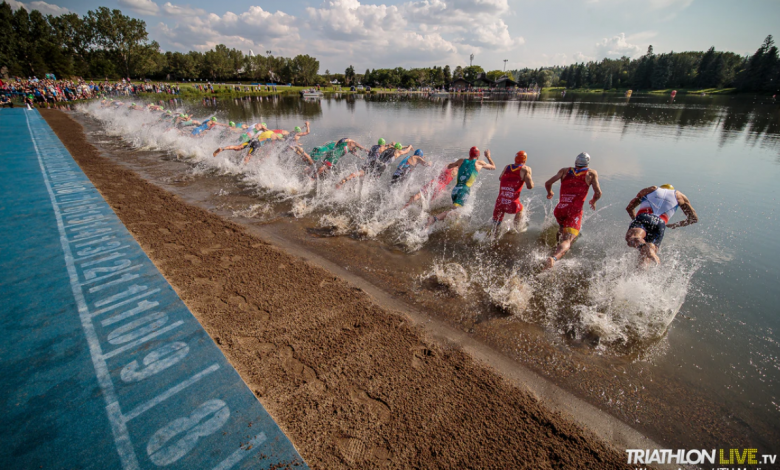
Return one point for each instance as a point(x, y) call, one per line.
point(667, 186)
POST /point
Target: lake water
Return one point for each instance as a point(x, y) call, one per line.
point(687, 352)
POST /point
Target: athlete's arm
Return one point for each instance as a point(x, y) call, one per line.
point(687, 208)
point(596, 190)
point(634, 203)
point(548, 184)
point(404, 151)
point(455, 164)
point(529, 182)
point(301, 134)
point(484, 165)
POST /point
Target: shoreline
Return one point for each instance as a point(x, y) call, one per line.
point(376, 377)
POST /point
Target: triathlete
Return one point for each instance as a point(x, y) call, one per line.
point(327, 156)
point(376, 165)
point(407, 165)
point(657, 206)
point(512, 180)
point(468, 169)
point(291, 140)
point(373, 154)
point(575, 183)
point(203, 127)
point(436, 186)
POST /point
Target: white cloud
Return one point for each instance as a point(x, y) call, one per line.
point(616, 47)
point(181, 10)
point(43, 7)
point(414, 32)
point(253, 29)
point(142, 7)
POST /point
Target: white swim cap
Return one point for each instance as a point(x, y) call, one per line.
point(582, 159)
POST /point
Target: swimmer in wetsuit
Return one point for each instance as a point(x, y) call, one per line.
point(377, 162)
point(512, 180)
point(657, 205)
point(575, 183)
point(373, 154)
point(468, 169)
point(328, 155)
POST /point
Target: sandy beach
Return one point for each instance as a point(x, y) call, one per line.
point(354, 385)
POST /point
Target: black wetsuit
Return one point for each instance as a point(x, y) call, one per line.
point(377, 165)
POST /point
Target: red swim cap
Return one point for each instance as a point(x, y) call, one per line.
point(474, 152)
point(521, 157)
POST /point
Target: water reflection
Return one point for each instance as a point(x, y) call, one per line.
point(730, 116)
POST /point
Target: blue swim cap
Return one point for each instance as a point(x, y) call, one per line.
point(418, 152)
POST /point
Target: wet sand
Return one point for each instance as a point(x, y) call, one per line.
point(354, 385)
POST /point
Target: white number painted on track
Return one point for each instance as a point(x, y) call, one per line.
point(93, 272)
point(131, 331)
point(155, 362)
point(204, 421)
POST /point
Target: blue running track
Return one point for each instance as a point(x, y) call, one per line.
point(101, 364)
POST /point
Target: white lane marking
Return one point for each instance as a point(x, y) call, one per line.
point(122, 441)
point(242, 452)
point(140, 409)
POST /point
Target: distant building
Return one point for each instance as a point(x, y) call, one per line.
point(460, 84)
point(506, 83)
point(483, 81)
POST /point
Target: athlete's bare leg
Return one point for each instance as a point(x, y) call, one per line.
point(304, 155)
point(353, 175)
point(635, 237)
point(435, 218)
point(565, 238)
point(518, 223)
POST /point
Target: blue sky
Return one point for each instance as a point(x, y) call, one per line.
point(528, 33)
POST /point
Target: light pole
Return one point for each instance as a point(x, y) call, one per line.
point(268, 63)
point(505, 61)
point(471, 60)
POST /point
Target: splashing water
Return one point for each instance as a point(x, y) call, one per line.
point(451, 275)
point(585, 297)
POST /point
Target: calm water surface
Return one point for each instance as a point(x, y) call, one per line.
point(708, 319)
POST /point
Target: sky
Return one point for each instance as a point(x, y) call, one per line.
point(422, 33)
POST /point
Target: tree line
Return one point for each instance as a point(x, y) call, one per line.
point(107, 43)
point(711, 69)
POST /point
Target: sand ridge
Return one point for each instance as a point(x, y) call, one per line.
point(352, 384)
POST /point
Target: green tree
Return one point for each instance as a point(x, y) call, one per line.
point(706, 70)
point(544, 78)
point(447, 74)
point(306, 69)
point(661, 72)
point(120, 35)
point(349, 75)
point(458, 72)
point(495, 74)
point(471, 72)
point(8, 54)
